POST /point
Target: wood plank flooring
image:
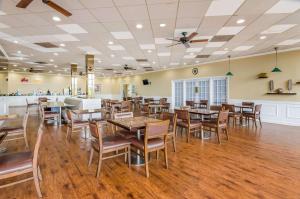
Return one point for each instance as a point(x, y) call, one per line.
point(262, 163)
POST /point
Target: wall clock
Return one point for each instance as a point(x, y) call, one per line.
point(195, 71)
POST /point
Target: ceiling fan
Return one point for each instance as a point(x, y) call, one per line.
point(186, 40)
point(58, 8)
point(128, 68)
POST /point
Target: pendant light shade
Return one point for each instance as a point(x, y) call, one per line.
point(276, 69)
point(229, 73)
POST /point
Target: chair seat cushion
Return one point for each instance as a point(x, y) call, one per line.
point(15, 162)
point(110, 142)
point(193, 124)
point(152, 143)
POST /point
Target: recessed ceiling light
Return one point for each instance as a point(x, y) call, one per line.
point(197, 61)
point(55, 66)
point(226, 49)
point(65, 70)
point(55, 54)
point(99, 61)
point(4, 68)
point(56, 18)
point(149, 51)
point(62, 45)
point(110, 42)
point(139, 26)
point(263, 37)
point(50, 71)
point(16, 42)
point(162, 25)
point(15, 65)
point(240, 21)
point(164, 67)
point(51, 60)
point(19, 52)
point(112, 55)
point(184, 63)
point(24, 69)
point(153, 62)
point(191, 53)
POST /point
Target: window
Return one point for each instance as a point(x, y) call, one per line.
point(213, 89)
point(178, 93)
point(220, 91)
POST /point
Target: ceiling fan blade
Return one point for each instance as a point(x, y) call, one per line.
point(23, 3)
point(174, 44)
point(192, 35)
point(199, 40)
point(172, 39)
point(186, 44)
point(57, 7)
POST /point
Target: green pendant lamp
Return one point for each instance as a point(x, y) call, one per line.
point(276, 69)
point(229, 73)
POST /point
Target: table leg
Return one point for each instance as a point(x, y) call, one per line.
point(60, 116)
point(136, 158)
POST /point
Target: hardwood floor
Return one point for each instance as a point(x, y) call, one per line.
point(263, 163)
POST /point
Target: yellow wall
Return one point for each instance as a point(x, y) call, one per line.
point(3, 83)
point(243, 85)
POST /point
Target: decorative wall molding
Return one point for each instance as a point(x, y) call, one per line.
point(278, 112)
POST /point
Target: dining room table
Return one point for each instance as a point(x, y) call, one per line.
point(134, 125)
point(58, 105)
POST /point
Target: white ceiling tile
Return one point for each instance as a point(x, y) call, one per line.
point(242, 48)
point(109, 14)
point(122, 35)
point(223, 7)
point(214, 44)
point(116, 47)
point(2, 25)
point(162, 41)
point(163, 54)
point(189, 50)
point(289, 42)
point(189, 56)
point(278, 28)
point(221, 52)
point(72, 28)
point(147, 46)
point(284, 6)
point(89, 49)
point(230, 30)
point(134, 13)
point(128, 58)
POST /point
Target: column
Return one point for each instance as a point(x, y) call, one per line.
point(90, 76)
point(74, 78)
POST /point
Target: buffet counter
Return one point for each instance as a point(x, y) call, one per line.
point(21, 100)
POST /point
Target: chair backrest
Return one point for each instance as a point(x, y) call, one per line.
point(163, 100)
point(215, 107)
point(183, 115)
point(95, 132)
point(257, 109)
point(203, 103)
point(123, 115)
point(223, 117)
point(148, 100)
point(145, 108)
point(37, 146)
point(251, 104)
point(156, 129)
point(172, 117)
point(189, 103)
point(126, 105)
point(229, 107)
point(42, 99)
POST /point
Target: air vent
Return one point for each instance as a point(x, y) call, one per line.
point(118, 73)
point(221, 38)
point(109, 69)
point(147, 67)
point(141, 60)
point(35, 70)
point(202, 56)
point(47, 45)
point(40, 62)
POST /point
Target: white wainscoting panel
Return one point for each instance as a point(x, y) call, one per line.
point(278, 112)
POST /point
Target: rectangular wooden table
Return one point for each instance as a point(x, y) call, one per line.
point(58, 105)
point(134, 124)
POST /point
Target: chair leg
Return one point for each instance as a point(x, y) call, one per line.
point(36, 182)
point(146, 163)
point(188, 132)
point(226, 132)
point(25, 138)
point(218, 136)
point(99, 164)
point(39, 174)
point(174, 143)
point(68, 131)
point(260, 122)
point(85, 132)
point(129, 156)
point(157, 154)
point(254, 120)
point(166, 156)
point(91, 157)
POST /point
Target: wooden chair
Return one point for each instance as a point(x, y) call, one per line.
point(232, 113)
point(75, 124)
point(218, 125)
point(185, 122)
point(145, 110)
point(172, 117)
point(48, 115)
point(203, 104)
point(248, 110)
point(21, 163)
point(255, 115)
point(120, 131)
point(107, 145)
point(148, 100)
point(190, 103)
point(16, 130)
point(155, 139)
point(125, 106)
